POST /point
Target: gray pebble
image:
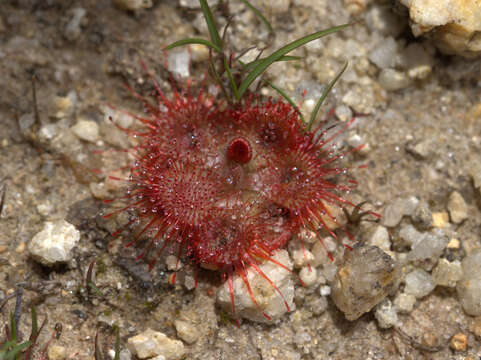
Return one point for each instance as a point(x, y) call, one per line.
point(420, 150)
point(457, 208)
point(404, 303)
point(365, 278)
point(469, 287)
point(422, 217)
point(73, 28)
point(386, 314)
point(384, 54)
point(447, 273)
point(430, 246)
point(419, 283)
point(54, 243)
point(392, 80)
point(379, 236)
point(178, 62)
point(394, 212)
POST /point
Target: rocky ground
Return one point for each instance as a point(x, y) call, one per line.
point(410, 288)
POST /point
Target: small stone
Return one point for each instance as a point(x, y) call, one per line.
point(265, 294)
point(65, 105)
point(361, 100)
point(417, 61)
point(419, 283)
point(384, 54)
point(430, 246)
point(48, 132)
point(422, 216)
point(178, 62)
point(343, 113)
point(56, 352)
point(454, 244)
point(459, 342)
point(3, 249)
point(329, 271)
point(440, 219)
point(409, 235)
point(317, 304)
point(386, 314)
point(133, 5)
point(320, 251)
point(125, 354)
point(21, 248)
point(117, 116)
point(430, 339)
point(381, 19)
point(26, 121)
point(447, 273)
point(454, 25)
point(86, 130)
point(301, 258)
point(45, 208)
point(308, 275)
point(379, 237)
point(189, 282)
point(394, 212)
point(393, 80)
point(458, 210)
point(187, 331)
point(356, 7)
point(54, 243)
point(73, 28)
point(153, 343)
point(420, 150)
point(190, 4)
point(364, 279)
point(469, 287)
point(475, 172)
point(404, 303)
point(358, 142)
point(420, 72)
point(325, 290)
point(475, 327)
point(173, 264)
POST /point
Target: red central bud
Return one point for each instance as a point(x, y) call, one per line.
point(239, 150)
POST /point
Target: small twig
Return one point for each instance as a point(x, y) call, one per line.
point(416, 344)
point(5, 301)
point(98, 353)
point(35, 105)
point(89, 284)
point(18, 311)
point(3, 191)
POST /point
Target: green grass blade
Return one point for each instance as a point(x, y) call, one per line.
point(251, 65)
point(7, 345)
point(34, 332)
point(209, 19)
point(231, 80)
point(288, 99)
point(259, 15)
point(13, 328)
point(324, 94)
point(193, 41)
point(14, 353)
point(117, 343)
point(276, 55)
